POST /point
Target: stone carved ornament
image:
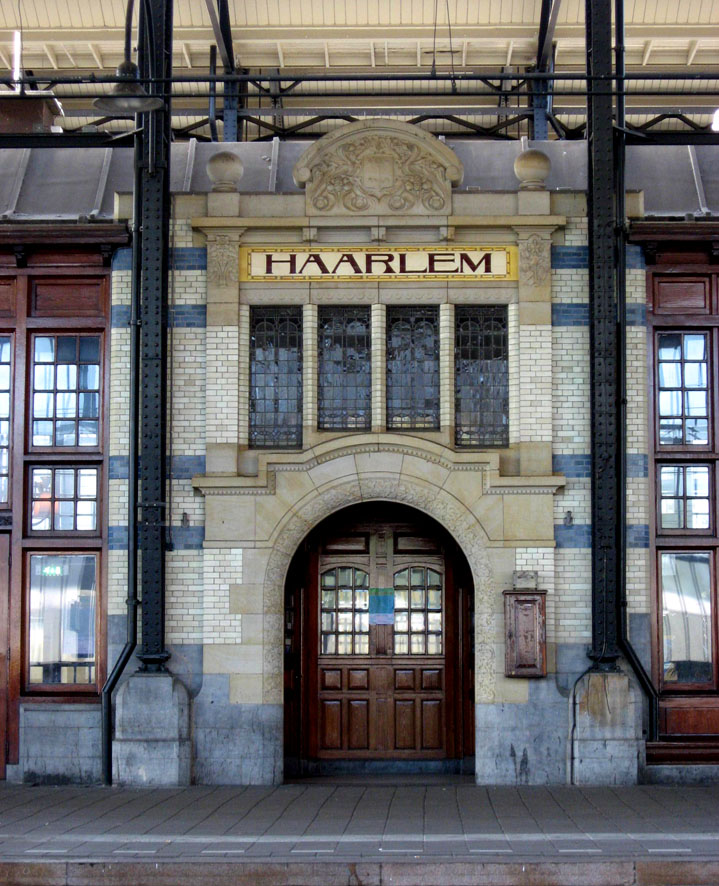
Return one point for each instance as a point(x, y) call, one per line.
point(222, 261)
point(534, 260)
point(378, 167)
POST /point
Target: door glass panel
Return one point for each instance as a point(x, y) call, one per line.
point(419, 631)
point(344, 613)
point(686, 617)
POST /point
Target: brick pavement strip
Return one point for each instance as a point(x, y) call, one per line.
point(333, 873)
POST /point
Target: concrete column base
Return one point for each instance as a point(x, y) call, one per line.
point(152, 732)
point(605, 722)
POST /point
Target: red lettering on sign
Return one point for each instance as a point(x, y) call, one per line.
point(436, 258)
point(385, 258)
point(273, 258)
point(315, 259)
point(486, 260)
point(348, 258)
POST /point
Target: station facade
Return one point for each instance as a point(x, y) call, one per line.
point(379, 448)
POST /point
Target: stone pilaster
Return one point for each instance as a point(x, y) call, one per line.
point(379, 363)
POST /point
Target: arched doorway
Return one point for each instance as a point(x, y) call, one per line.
point(378, 646)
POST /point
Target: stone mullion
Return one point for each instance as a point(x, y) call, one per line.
point(446, 368)
point(379, 365)
point(243, 398)
point(309, 372)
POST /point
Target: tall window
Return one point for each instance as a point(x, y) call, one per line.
point(412, 368)
point(685, 459)
point(481, 375)
point(5, 412)
point(344, 369)
point(52, 467)
point(276, 377)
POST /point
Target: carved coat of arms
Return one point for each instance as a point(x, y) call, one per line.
point(381, 168)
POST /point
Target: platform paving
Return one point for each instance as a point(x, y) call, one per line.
point(403, 833)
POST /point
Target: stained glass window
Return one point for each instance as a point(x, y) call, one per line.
point(344, 369)
point(276, 378)
point(412, 368)
point(481, 373)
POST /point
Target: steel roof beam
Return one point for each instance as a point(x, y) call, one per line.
point(220, 19)
point(547, 26)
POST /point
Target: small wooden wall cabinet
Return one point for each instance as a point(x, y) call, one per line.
point(526, 635)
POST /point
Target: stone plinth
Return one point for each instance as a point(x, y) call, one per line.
point(152, 732)
point(605, 722)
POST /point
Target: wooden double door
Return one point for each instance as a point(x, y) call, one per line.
point(385, 663)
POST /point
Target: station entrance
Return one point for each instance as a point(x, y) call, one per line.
point(378, 645)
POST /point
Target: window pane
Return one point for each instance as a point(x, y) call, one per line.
point(695, 375)
point(481, 371)
point(66, 348)
point(66, 378)
point(89, 377)
point(89, 433)
point(90, 349)
point(64, 483)
point(56, 372)
point(698, 513)
point(697, 481)
point(44, 378)
point(44, 350)
point(695, 347)
point(412, 368)
point(670, 375)
point(64, 519)
point(344, 368)
point(42, 405)
point(672, 513)
point(686, 617)
point(276, 377)
point(672, 481)
point(62, 618)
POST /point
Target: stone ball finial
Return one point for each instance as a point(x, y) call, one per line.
point(224, 170)
point(532, 168)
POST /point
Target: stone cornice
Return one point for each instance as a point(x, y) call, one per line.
point(514, 222)
point(483, 464)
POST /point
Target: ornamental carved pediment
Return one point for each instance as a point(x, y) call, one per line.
point(378, 167)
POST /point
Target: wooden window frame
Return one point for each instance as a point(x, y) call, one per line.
point(85, 260)
point(663, 532)
point(684, 540)
point(676, 688)
point(55, 450)
point(95, 533)
point(75, 690)
point(11, 333)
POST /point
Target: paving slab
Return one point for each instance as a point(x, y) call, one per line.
point(402, 833)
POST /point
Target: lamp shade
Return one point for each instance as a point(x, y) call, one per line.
point(128, 96)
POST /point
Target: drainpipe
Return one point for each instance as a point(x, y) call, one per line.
point(132, 600)
point(620, 259)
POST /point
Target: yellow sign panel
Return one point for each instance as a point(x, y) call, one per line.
point(373, 263)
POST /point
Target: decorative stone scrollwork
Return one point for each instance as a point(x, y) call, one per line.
point(535, 260)
point(378, 166)
point(431, 500)
point(222, 260)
